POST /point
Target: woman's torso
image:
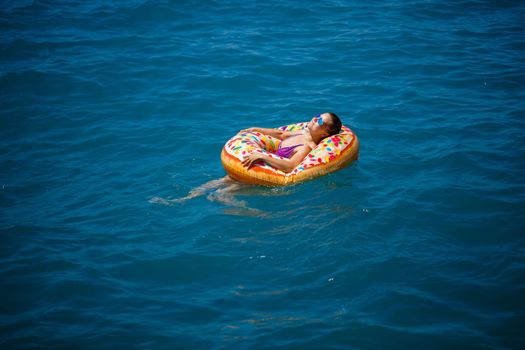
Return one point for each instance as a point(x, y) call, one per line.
point(288, 146)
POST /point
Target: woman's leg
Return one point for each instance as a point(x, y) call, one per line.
point(225, 195)
point(218, 184)
point(209, 186)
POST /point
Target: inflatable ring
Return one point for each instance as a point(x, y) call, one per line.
point(331, 154)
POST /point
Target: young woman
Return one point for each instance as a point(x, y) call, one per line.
point(296, 145)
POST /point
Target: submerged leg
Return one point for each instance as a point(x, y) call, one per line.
point(220, 190)
point(198, 191)
point(225, 195)
point(209, 186)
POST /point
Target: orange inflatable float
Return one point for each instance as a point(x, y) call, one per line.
point(331, 154)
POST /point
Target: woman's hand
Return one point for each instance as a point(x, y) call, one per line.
point(251, 158)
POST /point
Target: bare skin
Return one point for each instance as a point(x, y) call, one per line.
point(220, 190)
point(309, 138)
point(223, 191)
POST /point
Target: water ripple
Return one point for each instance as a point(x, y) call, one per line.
point(111, 110)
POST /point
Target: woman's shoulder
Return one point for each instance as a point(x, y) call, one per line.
point(310, 144)
point(305, 142)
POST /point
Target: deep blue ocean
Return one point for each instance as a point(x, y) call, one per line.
point(104, 106)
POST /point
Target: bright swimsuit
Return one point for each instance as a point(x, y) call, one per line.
point(286, 152)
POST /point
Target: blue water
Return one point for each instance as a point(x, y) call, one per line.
point(419, 244)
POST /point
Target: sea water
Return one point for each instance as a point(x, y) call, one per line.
point(105, 106)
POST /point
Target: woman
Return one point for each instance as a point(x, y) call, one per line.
point(295, 146)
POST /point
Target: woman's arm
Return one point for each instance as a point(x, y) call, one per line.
point(281, 135)
point(286, 165)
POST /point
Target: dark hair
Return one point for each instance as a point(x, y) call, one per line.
point(334, 127)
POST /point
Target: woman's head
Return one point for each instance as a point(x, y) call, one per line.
point(333, 123)
point(324, 125)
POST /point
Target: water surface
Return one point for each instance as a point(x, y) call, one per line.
point(106, 106)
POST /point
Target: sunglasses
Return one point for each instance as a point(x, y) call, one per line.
point(319, 120)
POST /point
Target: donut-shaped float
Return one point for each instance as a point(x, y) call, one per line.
point(331, 154)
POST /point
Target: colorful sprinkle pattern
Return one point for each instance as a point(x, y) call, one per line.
point(247, 142)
